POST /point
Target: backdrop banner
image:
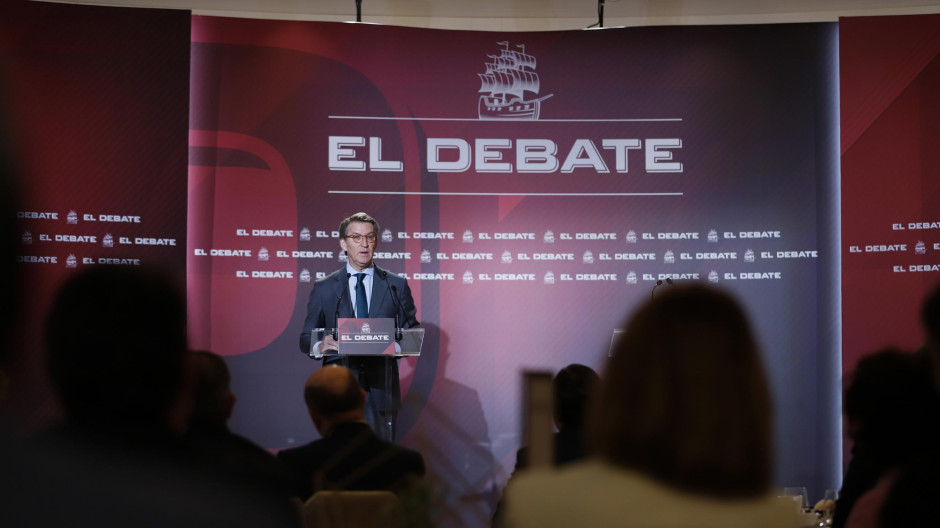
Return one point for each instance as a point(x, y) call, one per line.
point(96, 108)
point(890, 77)
point(533, 188)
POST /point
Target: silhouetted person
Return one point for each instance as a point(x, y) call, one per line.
point(349, 456)
point(680, 430)
point(930, 319)
point(572, 388)
point(889, 483)
point(913, 499)
point(893, 414)
point(116, 342)
point(209, 436)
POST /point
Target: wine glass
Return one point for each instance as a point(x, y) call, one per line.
point(828, 507)
point(799, 496)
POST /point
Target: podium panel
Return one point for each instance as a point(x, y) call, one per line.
point(407, 341)
point(373, 338)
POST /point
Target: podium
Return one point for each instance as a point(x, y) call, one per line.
point(378, 338)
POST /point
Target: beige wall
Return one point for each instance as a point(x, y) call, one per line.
point(542, 15)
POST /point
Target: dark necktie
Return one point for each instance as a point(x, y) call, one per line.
point(362, 303)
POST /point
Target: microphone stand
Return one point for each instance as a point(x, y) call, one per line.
point(658, 284)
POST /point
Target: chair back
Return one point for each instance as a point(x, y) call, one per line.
point(352, 509)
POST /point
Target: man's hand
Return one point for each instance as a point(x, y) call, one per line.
point(328, 343)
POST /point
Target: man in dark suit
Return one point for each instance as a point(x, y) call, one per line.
point(341, 295)
point(349, 456)
point(209, 437)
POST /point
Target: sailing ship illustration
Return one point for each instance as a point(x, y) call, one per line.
point(504, 85)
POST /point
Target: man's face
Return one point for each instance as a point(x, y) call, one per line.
point(359, 253)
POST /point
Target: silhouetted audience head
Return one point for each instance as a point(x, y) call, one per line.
point(333, 396)
point(891, 406)
point(116, 340)
point(930, 318)
point(684, 399)
point(213, 400)
point(573, 387)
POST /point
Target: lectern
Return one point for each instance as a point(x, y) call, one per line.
point(373, 337)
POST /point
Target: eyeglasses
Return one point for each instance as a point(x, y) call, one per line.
point(357, 238)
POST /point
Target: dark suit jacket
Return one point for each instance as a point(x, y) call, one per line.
point(353, 458)
point(330, 296)
point(236, 458)
point(120, 476)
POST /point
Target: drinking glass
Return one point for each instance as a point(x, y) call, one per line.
point(799, 496)
point(828, 507)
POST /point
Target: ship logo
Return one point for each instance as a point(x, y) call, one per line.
point(712, 276)
point(263, 254)
point(549, 237)
point(71, 261)
point(425, 256)
point(507, 257)
point(749, 255)
point(549, 277)
point(108, 240)
point(669, 257)
point(509, 76)
point(72, 217)
point(387, 235)
point(631, 277)
point(712, 235)
point(467, 277)
point(305, 234)
point(920, 248)
point(305, 275)
point(631, 237)
point(467, 236)
point(27, 237)
point(588, 257)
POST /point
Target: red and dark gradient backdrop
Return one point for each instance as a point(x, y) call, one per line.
point(110, 106)
point(98, 102)
point(540, 266)
point(890, 74)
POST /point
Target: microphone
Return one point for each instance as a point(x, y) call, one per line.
point(336, 315)
point(391, 291)
point(669, 282)
point(658, 284)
